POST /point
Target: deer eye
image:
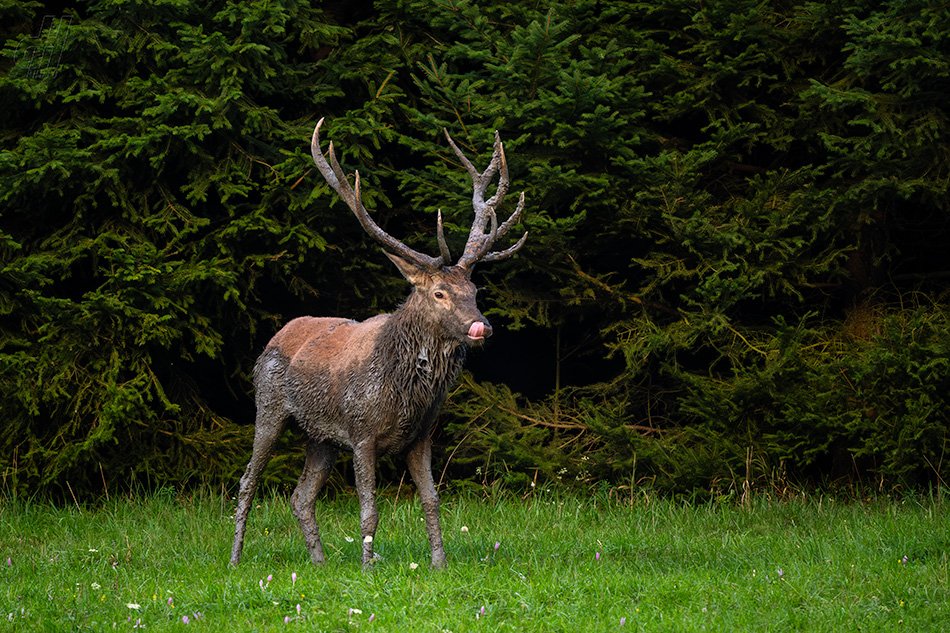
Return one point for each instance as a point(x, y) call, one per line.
point(439, 294)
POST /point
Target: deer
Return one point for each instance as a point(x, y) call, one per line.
point(376, 387)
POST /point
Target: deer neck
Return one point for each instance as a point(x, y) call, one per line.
point(422, 357)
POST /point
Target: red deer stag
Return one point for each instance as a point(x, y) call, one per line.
point(376, 387)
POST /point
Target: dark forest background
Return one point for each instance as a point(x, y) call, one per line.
point(736, 273)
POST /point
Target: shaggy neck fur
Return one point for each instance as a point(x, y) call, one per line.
point(421, 360)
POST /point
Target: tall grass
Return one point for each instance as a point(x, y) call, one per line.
point(553, 562)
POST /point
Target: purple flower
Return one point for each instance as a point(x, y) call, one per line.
point(184, 619)
point(10, 561)
point(372, 616)
point(286, 619)
point(497, 545)
point(781, 573)
point(623, 620)
point(597, 556)
point(270, 577)
point(298, 608)
point(293, 578)
point(170, 600)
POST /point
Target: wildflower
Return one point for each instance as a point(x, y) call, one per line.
point(372, 616)
point(96, 586)
point(270, 577)
point(293, 578)
point(170, 601)
point(286, 619)
point(184, 619)
point(353, 612)
point(481, 612)
point(9, 562)
point(597, 556)
point(298, 608)
point(497, 545)
point(348, 539)
point(623, 620)
point(93, 550)
point(133, 605)
point(465, 528)
point(413, 565)
point(781, 573)
point(368, 538)
point(903, 560)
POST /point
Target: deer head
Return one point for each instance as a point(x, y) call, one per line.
point(447, 289)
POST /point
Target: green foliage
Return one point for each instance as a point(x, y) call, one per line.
point(716, 193)
point(145, 201)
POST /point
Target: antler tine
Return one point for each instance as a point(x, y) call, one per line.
point(465, 162)
point(333, 174)
point(503, 229)
point(498, 158)
point(495, 256)
point(479, 242)
point(480, 182)
point(440, 235)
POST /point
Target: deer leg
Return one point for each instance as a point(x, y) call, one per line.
point(419, 460)
point(316, 471)
point(364, 465)
point(268, 428)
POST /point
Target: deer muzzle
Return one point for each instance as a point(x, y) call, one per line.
point(479, 331)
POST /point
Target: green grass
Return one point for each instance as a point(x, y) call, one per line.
point(814, 564)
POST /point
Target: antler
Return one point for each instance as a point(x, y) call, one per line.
point(479, 242)
point(337, 179)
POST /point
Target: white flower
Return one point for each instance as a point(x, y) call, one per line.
point(133, 605)
point(349, 539)
point(96, 586)
point(413, 565)
point(368, 538)
point(465, 528)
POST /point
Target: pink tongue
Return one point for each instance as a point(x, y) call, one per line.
point(477, 330)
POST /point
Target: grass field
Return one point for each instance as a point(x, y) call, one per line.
point(553, 562)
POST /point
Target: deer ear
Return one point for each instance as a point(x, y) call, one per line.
point(410, 271)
